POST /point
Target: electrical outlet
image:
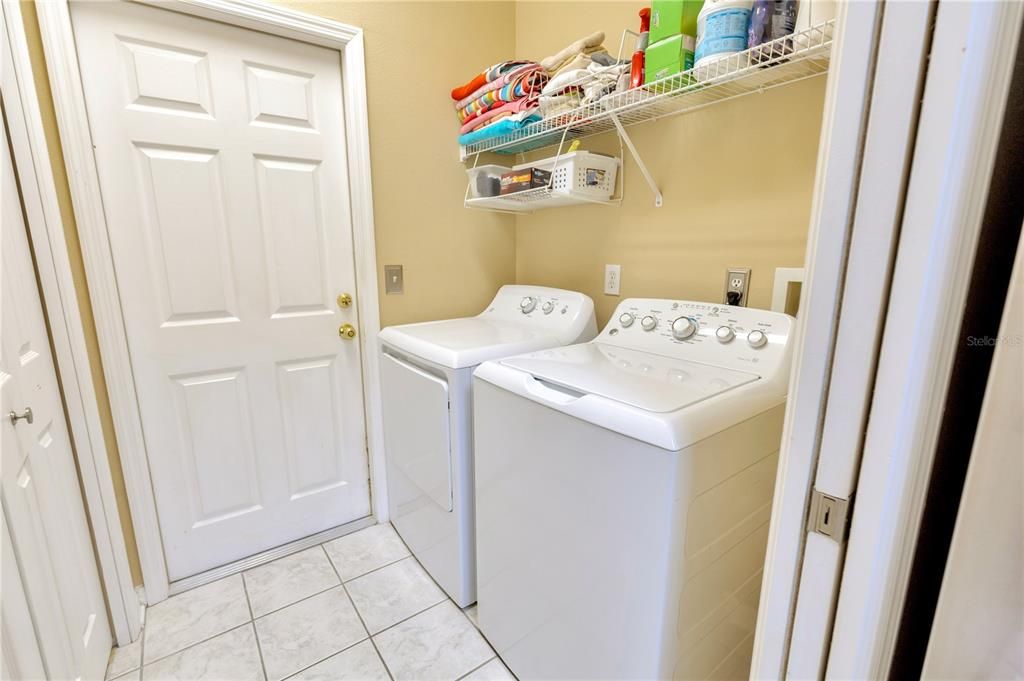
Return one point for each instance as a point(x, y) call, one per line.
point(394, 280)
point(737, 283)
point(612, 278)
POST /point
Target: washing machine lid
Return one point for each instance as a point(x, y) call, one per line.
point(466, 342)
point(639, 379)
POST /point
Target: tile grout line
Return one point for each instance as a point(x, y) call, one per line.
point(323, 591)
point(478, 667)
point(197, 643)
point(343, 650)
point(373, 643)
point(376, 569)
point(255, 632)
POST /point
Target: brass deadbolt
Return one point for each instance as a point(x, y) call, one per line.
point(344, 300)
point(347, 331)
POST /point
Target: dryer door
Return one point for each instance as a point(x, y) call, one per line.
point(417, 433)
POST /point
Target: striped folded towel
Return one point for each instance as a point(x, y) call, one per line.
point(524, 85)
point(484, 77)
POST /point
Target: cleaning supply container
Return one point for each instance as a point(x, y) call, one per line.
point(721, 29)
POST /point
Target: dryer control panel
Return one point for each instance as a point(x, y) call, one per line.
point(552, 309)
point(740, 338)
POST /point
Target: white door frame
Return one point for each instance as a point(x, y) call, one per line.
point(83, 177)
point(46, 233)
point(958, 134)
point(844, 125)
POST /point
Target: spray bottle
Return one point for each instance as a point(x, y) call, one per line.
point(636, 65)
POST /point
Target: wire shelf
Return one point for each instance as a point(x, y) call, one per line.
point(534, 199)
point(796, 57)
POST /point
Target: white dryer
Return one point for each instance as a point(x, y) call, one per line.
point(624, 489)
point(426, 379)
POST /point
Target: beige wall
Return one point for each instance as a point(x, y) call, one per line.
point(737, 180)
point(416, 52)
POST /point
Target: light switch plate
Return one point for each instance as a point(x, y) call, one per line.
point(612, 278)
point(394, 281)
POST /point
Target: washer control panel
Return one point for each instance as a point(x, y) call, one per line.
point(541, 307)
point(724, 335)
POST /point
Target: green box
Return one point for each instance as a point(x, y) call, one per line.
point(672, 17)
point(668, 57)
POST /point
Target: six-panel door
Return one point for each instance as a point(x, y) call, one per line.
point(222, 163)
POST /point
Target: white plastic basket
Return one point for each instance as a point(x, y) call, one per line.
point(480, 178)
point(580, 173)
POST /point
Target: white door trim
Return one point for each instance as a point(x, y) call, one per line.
point(835, 192)
point(72, 118)
point(46, 232)
point(957, 140)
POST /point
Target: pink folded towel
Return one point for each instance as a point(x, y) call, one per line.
point(505, 109)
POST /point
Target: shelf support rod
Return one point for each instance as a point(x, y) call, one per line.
point(639, 161)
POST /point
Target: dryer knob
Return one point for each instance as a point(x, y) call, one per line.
point(527, 304)
point(649, 323)
point(724, 334)
point(626, 319)
point(757, 339)
point(548, 307)
point(683, 328)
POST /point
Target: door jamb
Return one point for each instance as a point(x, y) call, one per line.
point(69, 102)
point(46, 233)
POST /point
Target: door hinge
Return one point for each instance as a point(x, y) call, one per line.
point(829, 516)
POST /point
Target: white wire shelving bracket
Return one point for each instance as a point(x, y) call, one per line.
point(793, 58)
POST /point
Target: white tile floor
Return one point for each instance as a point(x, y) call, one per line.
point(359, 607)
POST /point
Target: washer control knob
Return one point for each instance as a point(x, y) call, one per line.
point(527, 304)
point(757, 339)
point(548, 307)
point(649, 323)
point(724, 334)
point(683, 328)
point(626, 319)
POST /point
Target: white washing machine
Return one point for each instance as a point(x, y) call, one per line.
point(426, 380)
point(624, 489)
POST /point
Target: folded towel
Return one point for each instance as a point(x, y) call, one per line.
point(554, 105)
point(593, 82)
point(505, 126)
point(582, 58)
point(486, 76)
point(485, 117)
point(591, 41)
point(525, 85)
point(500, 81)
point(569, 78)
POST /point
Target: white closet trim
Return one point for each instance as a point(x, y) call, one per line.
point(46, 231)
point(69, 101)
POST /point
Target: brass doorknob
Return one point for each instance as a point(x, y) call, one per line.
point(344, 300)
point(347, 331)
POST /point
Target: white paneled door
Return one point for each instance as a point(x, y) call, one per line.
point(222, 162)
point(53, 614)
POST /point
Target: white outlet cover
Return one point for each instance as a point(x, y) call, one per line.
point(612, 279)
